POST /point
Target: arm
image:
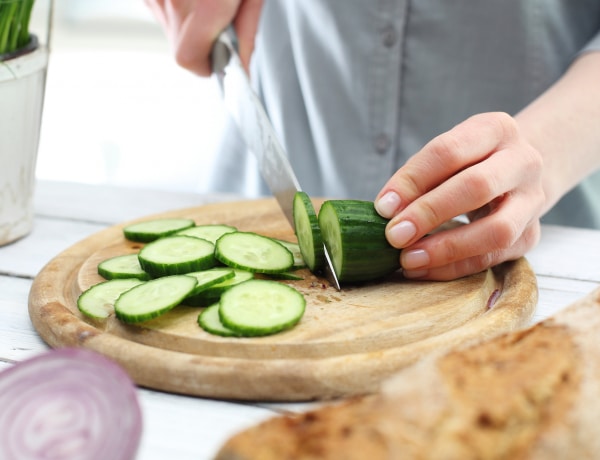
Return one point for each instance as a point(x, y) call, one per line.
point(564, 124)
point(504, 172)
point(193, 25)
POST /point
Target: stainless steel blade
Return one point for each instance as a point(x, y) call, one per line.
point(256, 128)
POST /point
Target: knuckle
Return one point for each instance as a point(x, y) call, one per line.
point(429, 214)
point(504, 234)
point(447, 149)
point(480, 187)
point(504, 124)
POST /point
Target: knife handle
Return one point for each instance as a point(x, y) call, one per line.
point(224, 47)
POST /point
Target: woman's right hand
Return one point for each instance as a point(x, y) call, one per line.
point(192, 27)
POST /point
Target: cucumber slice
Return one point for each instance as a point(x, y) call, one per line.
point(207, 278)
point(213, 293)
point(98, 301)
point(208, 232)
point(144, 232)
point(261, 307)
point(294, 248)
point(289, 276)
point(209, 321)
point(153, 298)
point(176, 255)
point(253, 252)
point(308, 233)
point(354, 234)
point(125, 266)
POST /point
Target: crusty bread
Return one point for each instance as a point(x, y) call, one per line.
point(529, 394)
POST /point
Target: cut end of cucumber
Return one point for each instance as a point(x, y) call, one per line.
point(332, 236)
point(261, 307)
point(354, 234)
point(144, 232)
point(307, 231)
point(153, 298)
point(253, 252)
point(209, 232)
point(176, 255)
point(210, 321)
point(98, 301)
point(122, 267)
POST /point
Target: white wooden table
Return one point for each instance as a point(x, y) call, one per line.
point(566, 263)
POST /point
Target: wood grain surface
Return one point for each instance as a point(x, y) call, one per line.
point(346, 343)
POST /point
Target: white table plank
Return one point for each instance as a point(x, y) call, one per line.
point(49, 237)
point(182, 428)
point(567, 252)
point(111, 204)
point(18, 338)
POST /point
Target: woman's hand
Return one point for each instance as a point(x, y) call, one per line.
point(192, 27)
point(483, 168)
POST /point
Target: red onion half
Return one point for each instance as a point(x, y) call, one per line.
point(68, 404)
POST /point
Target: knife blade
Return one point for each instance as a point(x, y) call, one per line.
point(256, 129)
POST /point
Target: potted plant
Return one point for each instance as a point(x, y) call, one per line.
point(23, 66)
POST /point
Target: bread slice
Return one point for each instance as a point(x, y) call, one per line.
point(529, 394)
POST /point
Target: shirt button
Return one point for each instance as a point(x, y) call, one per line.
point(382, 142)
point(389, 36)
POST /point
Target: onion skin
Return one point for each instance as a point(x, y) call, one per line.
point(68, 404)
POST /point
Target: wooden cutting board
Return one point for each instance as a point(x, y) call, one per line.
point(346, 343)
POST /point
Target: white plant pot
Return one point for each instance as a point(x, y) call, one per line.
point(22, 85)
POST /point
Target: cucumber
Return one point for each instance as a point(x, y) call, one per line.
point(213, 293)
point(98, 301)
point(176, 255)
point(208, 232)
point(253, 252)
point(153, 298)
point(125, 266)
point(307, 230)
point(261, 307)
point(354, 234)
point(144, 232)
point(208, 278)
point(209, 321)
point(294, 248)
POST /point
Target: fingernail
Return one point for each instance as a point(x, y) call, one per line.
point(401, 233)
point(415, 258)
point(414, 273)
point(387, 205)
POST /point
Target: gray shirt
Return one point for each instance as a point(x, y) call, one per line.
point(355, 87)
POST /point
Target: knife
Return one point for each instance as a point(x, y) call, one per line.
point(256, 128)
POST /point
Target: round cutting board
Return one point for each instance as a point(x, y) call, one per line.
point(346, 343)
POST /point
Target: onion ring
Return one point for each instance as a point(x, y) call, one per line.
point(68, 404)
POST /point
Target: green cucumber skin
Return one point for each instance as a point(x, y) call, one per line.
point(138, 232)
point(128, 312)
point(365, 252)
point(209, 321)
point(258, 326)
point(112, 269)
point(237, 260)
point(308, 233)
point(158, 269)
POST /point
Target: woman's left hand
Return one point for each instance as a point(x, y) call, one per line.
point(483, 168)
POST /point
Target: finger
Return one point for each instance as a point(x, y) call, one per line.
point(464, 145)
point(476, 264)
point(478, 245)
point(246, 25)
point(503, 172)
point(196, 27)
